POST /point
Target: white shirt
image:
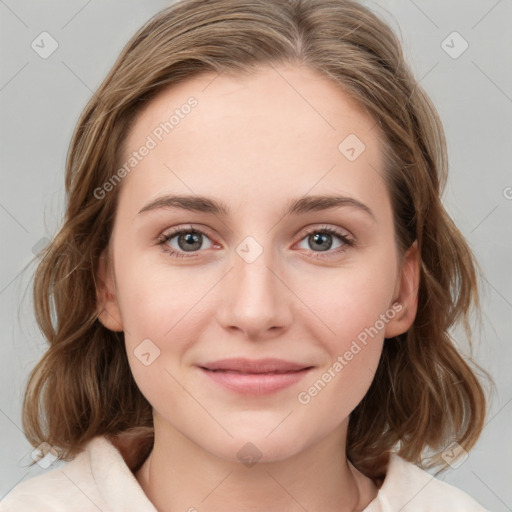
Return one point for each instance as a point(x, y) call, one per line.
point(98, 479)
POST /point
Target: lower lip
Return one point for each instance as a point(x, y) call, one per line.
point(255, 383)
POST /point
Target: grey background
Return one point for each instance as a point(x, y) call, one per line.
point(40, 103)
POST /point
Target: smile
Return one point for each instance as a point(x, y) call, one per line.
point(254, 377)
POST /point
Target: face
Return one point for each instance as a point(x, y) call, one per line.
point(244, 275)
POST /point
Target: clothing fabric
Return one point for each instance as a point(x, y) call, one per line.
point(98, 479)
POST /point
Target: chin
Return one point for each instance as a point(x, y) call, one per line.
point(252, 445)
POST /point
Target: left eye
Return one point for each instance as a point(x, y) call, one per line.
point(322, 239)
point(191, 241)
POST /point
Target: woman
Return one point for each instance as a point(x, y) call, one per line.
point(256, 276)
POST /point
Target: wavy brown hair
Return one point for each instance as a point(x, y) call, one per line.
point(424, 394)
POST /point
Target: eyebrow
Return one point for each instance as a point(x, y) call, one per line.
point(294, 206)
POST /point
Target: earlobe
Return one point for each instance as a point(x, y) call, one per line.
point(406, 294)
point(106, 302)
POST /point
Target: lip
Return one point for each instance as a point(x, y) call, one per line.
point(254, 376)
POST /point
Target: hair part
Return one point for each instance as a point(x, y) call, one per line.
point(424, 393)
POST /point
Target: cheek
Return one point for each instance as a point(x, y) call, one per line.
point(352, 349)
point(354, 306)
point(164, 311)
point(348, 301)
point(157, 300)
point(336, 389)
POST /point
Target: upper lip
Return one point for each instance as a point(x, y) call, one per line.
point(242, 365)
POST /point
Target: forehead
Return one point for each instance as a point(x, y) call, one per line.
point(279, 132)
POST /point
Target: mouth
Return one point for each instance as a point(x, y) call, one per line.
point(254, 377)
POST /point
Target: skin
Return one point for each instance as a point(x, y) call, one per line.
point(254, 143)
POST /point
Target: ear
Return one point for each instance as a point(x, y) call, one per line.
point(109, 313)
point(406, 294)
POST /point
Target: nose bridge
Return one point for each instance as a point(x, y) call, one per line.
point(255, 297)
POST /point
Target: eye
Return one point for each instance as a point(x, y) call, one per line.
point(188, 240)
point(322, 239)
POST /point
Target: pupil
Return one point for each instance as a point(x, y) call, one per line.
point(322, 237)
point(190, 240)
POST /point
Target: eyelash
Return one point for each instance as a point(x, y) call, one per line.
point(162, 241)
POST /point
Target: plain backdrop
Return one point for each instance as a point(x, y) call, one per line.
point(41, 99)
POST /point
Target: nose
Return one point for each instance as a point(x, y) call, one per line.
point(255, 299)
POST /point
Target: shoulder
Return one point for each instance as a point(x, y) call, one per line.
point(89, 482)
point(408, 488)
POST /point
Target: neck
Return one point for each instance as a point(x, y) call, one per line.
point(180, 475)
